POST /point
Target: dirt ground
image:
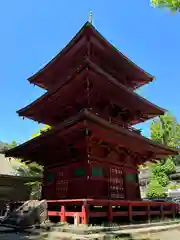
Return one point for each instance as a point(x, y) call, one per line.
point(166, 235)
point(11, 235)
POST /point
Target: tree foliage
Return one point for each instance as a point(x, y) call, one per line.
point(13, 144)
point(173, 5)
point(23, 169)
point(155, 190)
point(162, 170)
point(164, 130)
point(31, 169)
point(173, 186)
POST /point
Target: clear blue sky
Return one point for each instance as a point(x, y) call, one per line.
point(32, 32)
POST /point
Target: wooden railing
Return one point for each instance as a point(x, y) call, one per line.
point(89, 208)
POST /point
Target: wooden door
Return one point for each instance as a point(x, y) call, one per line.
point(62, 183)
point(116, 183)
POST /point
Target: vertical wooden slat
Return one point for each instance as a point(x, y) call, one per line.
point(130, 211)
point(110, 213)
point(63, 216)
point(85, 214)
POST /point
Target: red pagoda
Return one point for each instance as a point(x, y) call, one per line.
point(91, 151)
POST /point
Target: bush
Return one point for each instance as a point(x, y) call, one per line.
point(155, 190)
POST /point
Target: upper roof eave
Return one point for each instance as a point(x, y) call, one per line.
point(63, 51)
point(147, 77)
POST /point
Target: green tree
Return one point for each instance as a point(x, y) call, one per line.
point(164, 130)
point(11, 145)
point(173, 5)
point(162, 170)
point(155, 190)
point(31, 169)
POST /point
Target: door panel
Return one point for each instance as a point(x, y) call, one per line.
point(62, 183)
point(116, 183)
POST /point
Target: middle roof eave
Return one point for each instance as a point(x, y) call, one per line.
point(152, 109)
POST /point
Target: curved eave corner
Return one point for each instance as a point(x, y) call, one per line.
point(147, 77)
point(32, 79)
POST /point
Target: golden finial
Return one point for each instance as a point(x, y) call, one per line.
point(90, 17)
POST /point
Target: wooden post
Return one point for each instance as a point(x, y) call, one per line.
point(85, 213)
point(130, 211)
point(76, 219)
point(63, 215)
point(174, 209)
point(110, 213)
point(149, 212)
point(162, 211)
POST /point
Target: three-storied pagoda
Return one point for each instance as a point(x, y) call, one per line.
point(92, 150)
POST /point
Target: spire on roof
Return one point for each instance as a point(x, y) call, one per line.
point(90, 17)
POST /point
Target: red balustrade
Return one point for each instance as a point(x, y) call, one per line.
point(90, 208)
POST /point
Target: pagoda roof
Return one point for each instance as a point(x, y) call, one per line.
point(39, 109)
point(35, 149)
point(44, 79)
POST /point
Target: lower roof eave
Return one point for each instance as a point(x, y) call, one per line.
point(160, 150)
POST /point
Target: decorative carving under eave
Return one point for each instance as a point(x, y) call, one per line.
point(112, 156)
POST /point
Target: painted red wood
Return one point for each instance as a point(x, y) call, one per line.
point(131, 184)
point(49, 188)
point(62, 182)
point(116, 183)
point(54, 213)
point(92, 148)
point(86, 213)
point(97, 182)
point(77, 180)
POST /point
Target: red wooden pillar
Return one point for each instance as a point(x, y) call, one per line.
point(110, 213)
point(85, 213)
point(63, 214)
point(130, 211)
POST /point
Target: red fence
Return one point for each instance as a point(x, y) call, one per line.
point(89, 208)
